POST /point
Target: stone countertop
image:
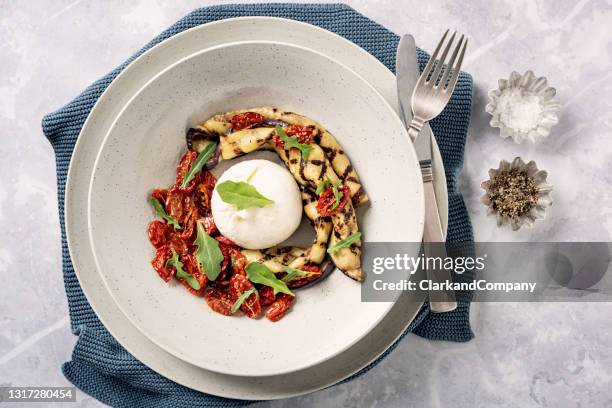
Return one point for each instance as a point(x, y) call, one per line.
point(523, 355)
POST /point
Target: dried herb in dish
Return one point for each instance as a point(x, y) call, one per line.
point(513, 193)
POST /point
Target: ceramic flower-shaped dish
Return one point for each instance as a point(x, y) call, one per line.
point(517, 193)
point(523, 107)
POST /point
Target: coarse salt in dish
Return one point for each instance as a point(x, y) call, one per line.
point(523, 107)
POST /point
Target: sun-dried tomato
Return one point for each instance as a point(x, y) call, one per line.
point(204, 190)
point(178, 244)
point(177, 204)
point(227, 241)
point(159, 233)
point(219, 300)
point(246, 120)
point(225, 250)
point(208, 180)
point(159, 263)
point(209, 224)
point(305, 134)
point(299, 281)
point(187, 233)
point(327, 200)
point(183, 167)
point(266, 295)
point(160, 194)
point(278, 142)
point(192, 267)
point(238, 261)
point(279, 307)
point(311, 268)
point(251, 305)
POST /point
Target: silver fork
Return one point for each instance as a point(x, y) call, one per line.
point(431, 94)
point(433, 91)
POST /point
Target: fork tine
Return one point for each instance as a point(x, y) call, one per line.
point(456, 69)
point(440, 62)
point(450, 64)
point(432, 59)
point(458, 66)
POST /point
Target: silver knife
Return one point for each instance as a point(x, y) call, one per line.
point(407, 75)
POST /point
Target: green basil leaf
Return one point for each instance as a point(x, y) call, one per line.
point(259, 273)
point(242, 195)
point(293, 142)
point(345, 243)
point(208, 254)
point(293, 273)
point(241, 299)
point(180, 272)
point(161, 213)
point(199, 163)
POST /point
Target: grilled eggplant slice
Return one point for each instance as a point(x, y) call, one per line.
point(348, 260)
point(322, 226)
point(274, 258)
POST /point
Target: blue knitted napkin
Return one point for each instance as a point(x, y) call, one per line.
point(100, 366)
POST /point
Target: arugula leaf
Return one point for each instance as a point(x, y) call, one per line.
point(337, 196)
point(323, 186)
point(241, 299)
point(259, 273)
point(326, 183)
point(293, 273)
point(293, 142)
point(208, 254)
point(199, 163)
point(161, 213)
point(242, 195)
point(180, 272)
point(345, 243)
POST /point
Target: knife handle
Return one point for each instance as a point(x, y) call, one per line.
point(433, 243)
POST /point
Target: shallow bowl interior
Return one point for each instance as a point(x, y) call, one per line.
point(142, 149)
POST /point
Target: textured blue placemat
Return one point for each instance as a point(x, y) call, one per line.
point(100, 366)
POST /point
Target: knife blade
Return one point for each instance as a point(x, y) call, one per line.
point(407, 75)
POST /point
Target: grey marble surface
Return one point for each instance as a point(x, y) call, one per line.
point(523, 355)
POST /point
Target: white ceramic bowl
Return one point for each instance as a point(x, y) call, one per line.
point(141, 151)
point(102, 116)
